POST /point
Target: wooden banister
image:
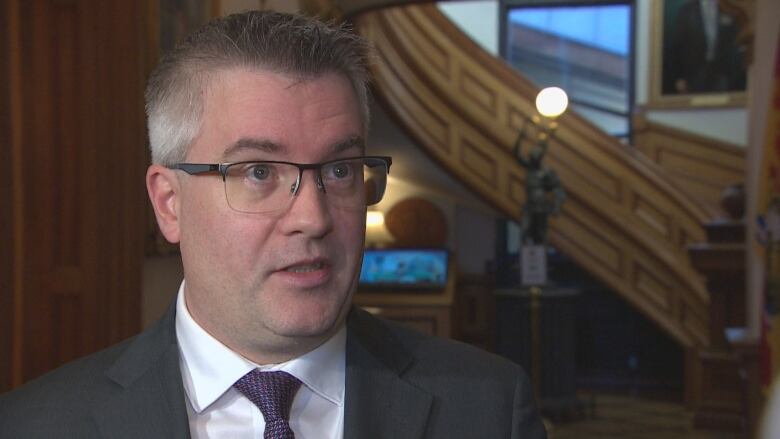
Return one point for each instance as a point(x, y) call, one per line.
point(624, 221)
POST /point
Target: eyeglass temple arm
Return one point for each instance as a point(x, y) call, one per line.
point(388, 161)
point(197, 168)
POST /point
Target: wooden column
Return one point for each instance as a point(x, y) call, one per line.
point(723, 372)
point(72, 179)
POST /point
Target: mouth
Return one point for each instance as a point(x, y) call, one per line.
point(305, 267)
point(305, 274)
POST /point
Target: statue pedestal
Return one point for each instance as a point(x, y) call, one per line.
point(557, 382)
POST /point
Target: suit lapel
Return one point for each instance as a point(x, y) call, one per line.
point(379, 402)
point(151, 401)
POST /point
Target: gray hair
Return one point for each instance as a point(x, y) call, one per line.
point(301, 47)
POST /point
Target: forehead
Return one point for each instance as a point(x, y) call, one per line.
point(296, 116)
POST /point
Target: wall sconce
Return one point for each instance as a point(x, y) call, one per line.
point(377, 235)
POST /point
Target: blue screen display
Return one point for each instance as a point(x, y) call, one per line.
point(412, 268)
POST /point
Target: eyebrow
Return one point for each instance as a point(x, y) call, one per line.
point(352, 142)
point(264, 145)
point(269, 146)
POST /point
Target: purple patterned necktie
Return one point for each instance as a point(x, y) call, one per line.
point(272, 393)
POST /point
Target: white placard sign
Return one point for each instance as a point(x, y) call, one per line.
point(534, 265)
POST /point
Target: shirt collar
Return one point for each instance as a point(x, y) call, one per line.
point(209, 368)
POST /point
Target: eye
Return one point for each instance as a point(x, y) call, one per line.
point(340, 170)
point(258, 172)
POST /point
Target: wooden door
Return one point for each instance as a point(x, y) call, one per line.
point(72, 168)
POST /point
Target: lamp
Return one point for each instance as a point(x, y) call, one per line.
point(544, 193)
point(551, 102)
point(544, 196)
point(377, 234)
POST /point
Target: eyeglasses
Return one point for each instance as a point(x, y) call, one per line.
point(269, 186)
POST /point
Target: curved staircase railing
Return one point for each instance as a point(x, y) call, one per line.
point(623, 221)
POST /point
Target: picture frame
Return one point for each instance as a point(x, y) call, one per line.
point(694, 67)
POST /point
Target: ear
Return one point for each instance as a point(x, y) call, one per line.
point(163, 188)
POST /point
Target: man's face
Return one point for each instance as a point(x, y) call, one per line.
point(271, 286)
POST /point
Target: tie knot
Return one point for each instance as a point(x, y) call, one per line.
point(272, 392)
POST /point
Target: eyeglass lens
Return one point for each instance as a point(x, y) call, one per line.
point(263, 187)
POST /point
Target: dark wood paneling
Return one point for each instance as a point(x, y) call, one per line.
point(81, 172)
point(121, 161)
point(721, 399)
point(6, 196)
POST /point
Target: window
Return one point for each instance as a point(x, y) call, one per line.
point(584, 47)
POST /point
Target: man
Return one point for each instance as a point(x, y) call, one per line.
point(257, 126)
point(703, 54)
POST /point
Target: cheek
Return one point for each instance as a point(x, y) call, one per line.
point(241, 244)
point(217, 236)
point(351, 231)
point(200, 215)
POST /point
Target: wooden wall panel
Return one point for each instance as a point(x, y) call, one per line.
point(588, 174)
point(8, 25)
point(699, 166)
point(651, 286)
point(121, 156)
point(623, 220)
point(600, 246)
point(76, 178)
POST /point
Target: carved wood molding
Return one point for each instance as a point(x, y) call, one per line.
point(699, 166)
point(623, 221)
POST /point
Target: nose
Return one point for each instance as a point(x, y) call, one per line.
point(309, 212)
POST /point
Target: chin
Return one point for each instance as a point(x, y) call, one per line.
point(309, 321)
point(317, 315)
point(305, 329)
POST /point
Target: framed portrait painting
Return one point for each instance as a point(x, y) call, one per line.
point(700, 51)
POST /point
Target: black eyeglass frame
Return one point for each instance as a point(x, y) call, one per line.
point(222, 168)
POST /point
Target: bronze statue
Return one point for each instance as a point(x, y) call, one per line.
point(544, 192)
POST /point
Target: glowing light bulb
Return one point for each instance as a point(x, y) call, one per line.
point(374, 218)
point(551, 102)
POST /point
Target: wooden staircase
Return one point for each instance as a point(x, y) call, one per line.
point(639, 219)
point(623, 221)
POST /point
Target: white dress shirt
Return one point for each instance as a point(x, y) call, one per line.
point(217, 410)
point(709, 17)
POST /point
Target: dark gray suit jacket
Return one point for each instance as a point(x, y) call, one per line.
point(399, 384)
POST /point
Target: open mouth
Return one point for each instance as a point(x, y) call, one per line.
point(305, 268)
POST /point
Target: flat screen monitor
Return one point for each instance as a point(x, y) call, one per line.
point(408, 268)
